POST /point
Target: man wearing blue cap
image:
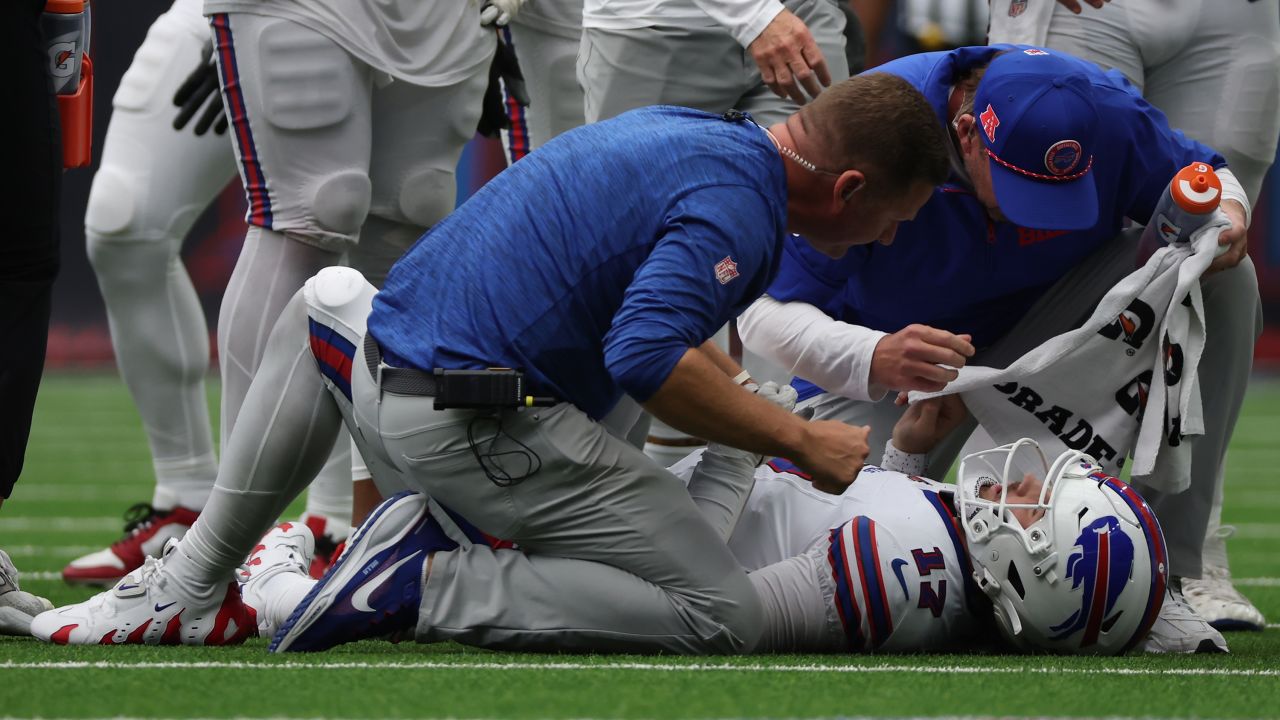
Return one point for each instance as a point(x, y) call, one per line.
point(1050, 158)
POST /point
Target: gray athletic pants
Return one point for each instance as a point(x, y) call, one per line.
point(617, 555)
point(1233, 319)
point(697, 67)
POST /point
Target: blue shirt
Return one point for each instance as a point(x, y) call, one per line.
point(597, 261)
point(953, 267)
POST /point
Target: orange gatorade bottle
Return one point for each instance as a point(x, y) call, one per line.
point(1187, 204)
point(66, 31)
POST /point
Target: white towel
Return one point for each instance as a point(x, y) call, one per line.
point(1123, 384)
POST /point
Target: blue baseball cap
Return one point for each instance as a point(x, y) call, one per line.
point(1037, 119)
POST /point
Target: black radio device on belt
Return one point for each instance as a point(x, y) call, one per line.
point(491, 389)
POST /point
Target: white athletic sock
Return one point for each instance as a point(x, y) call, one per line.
point(185, 482)
point(161, 345)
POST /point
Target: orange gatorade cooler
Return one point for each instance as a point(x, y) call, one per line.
point(1187, 204)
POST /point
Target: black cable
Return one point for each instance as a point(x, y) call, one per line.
point(490, 461)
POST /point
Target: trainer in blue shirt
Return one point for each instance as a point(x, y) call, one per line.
point(600, 266)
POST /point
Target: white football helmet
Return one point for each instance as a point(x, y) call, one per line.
point(1086, 577)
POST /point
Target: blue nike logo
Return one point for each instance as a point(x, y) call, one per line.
point(162, 608)
point(897, 565)
point(126, 587)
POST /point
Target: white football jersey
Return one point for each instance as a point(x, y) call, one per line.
point(895, 552)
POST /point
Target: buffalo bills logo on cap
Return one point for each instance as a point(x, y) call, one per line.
point(990, 122)
point(1062, 157)
point(1101, 562)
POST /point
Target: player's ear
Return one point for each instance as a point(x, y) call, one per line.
point(849, 182)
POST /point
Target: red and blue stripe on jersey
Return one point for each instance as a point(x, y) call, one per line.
point(255, 182)
point(517, 136)
point(855, 543)
point(334, 355)
point(973, 598)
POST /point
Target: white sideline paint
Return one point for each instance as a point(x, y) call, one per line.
point(645, 667)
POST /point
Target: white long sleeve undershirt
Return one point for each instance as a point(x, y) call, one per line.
point(832, 354)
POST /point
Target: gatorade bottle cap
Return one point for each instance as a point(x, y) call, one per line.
point(1196, 189)
point(64, 7)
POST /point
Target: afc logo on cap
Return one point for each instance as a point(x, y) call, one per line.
point(1062, 157)
point(989, 122)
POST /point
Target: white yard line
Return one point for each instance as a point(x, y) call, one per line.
point(1256, 582)
point(60, 524)
point(645, 667)
point(125, 494)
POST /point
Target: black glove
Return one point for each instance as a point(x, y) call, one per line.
point(504, 70)
point(201, 88)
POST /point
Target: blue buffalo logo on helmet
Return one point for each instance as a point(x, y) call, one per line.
point(1062, 157)
point(1100, 564)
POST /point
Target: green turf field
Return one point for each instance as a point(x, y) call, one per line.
point(88, 461)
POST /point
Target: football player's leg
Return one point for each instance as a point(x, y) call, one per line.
point(1107, 37)
point(286, 433)
point(548, 56)
point(419, 134)
point(800, 613)
point(620, 70)
point(153, 183)
point(190, 595)
point(1233, 323)
point(299, 108)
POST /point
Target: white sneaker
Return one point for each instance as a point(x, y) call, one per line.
point(1215, 599)
point(145, 608)
point(17, 606)
point(286, 548)
point(1178, 629)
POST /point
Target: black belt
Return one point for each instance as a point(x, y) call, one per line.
point(401, 381)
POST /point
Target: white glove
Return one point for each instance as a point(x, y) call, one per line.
point(499, 12)
point(784, 396)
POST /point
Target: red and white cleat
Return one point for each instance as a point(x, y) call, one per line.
point(330, 537)
point(145, 608)
point(286, 549)
point(146, 531)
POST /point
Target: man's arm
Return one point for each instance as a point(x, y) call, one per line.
point(790, 61)
point(698, 398)
point(850, 360)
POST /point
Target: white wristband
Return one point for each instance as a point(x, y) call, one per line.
point(742, 377)
point(903, 462)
